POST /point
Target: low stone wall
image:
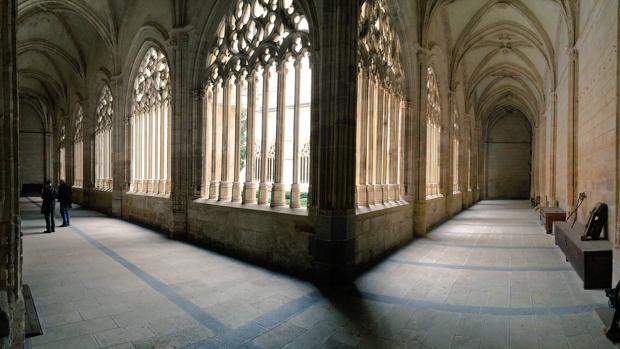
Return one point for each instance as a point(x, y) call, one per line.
point(455, 203)
point(100, 201)
point(435, 211)
point(381, 231)
point(154, 211)
point(263, 235)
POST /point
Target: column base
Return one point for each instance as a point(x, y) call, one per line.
point(278, 195)
point(249, 192)
point(370, 194)
point(378, 194)
point(237, 187)
point(362, 195)
point(214, 190)
point(263, 193)
point(225, 191)
point(385, 190)
point(295, 196)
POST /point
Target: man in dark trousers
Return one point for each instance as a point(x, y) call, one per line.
point(49, 203)
point(64, 198)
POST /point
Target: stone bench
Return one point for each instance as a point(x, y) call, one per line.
point(592, 260)
point(548, 215)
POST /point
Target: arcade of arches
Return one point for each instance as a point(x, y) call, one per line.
point(313, 136)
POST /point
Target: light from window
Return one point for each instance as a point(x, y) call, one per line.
point(433, 134)
point(78, 148)
point(103, 140)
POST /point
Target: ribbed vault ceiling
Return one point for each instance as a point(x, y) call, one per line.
point(505, 53)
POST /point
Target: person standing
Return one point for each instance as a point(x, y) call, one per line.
point(49, 203)
point(64, 198)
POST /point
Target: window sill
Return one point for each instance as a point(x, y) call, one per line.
point(434, 197)
point(153, 195)
point(302, 211)
point(380, 207)
point(457, 192)
point(103, 190)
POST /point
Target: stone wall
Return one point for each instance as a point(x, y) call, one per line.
point(381, 231)
point(150, 210)
point(509, 158)
point(259, 234)
point(31, 147)
point(597, 113)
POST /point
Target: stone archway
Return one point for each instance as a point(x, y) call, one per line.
point(508, 146)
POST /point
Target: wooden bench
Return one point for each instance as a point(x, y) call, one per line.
point(548, 215)
point(592, 260)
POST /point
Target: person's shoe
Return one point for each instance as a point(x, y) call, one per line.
point(45, 232)
point(63, 225)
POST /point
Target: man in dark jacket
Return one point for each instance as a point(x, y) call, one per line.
point(64, 198)
point(49, 203)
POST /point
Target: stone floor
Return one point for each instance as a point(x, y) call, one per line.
point(489, 278)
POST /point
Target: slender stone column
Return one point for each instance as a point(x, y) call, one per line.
point(237, 185)
point(295, 190)
point(362, 195)
point(379, 179)
point(226, 183)
point(263, 187)
point(333, 244)
point(214, 186)
point(279, 191)
point(207, 132)
point(249, 196)
point(370, 136)
point(11, 301)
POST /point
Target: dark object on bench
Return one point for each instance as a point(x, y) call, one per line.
point(592, 260)
point(548, 215)
point(596, 223)
point(535, 201)
point(33, 326)
point(613, 332)
point(32, 189)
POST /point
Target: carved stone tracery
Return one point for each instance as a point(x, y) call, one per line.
point(104, 110)
point(379, 48)
point(258, 33)
point(152, 85)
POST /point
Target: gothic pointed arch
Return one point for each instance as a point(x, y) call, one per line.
point(379, 118)
point(257, 102)
point(150, 124)
point(103, 139)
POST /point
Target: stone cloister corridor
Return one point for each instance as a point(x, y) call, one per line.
point(475, 281)
point(308, 173)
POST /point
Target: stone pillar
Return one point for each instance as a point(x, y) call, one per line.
point(199, 139)
point(121, 147)
point(295, 190)
point(420, 223)
point(573, 91)
point(278, 192)
point(554, 147)
point(226, 182)
point(249, 195)
point(181, 137)
point(237, 184)
point(264, 187)
point(333, 244)
point(11, 302)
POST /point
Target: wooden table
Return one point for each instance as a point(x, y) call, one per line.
point(548, 215)
point(592, 260)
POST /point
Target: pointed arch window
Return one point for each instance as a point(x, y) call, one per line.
point(433, 134)
point(103, 140)
point(78, 148)
point(150, 126)
point(257, 106)
point(62, 152)
point(456, 148)
point(379, 115)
